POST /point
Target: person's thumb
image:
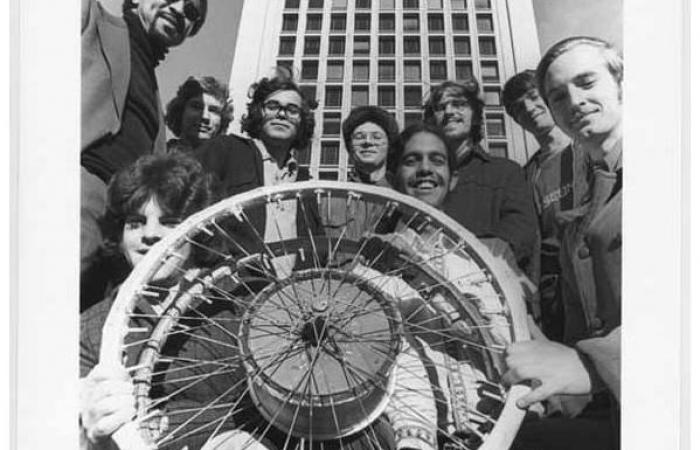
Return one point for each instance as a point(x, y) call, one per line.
point(537, 394)
point(535, 331)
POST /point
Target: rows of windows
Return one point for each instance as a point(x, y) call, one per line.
point(389, 4)
point(361, 45)
point(387, 22)
point(386, 70)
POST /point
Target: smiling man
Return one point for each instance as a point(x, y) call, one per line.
point(121, 117)
point(491, 197)
point(557, 173)
point(581, 80)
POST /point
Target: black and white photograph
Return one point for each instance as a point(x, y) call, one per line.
point(359, 224)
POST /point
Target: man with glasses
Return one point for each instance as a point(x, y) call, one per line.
point(121, 117)
point(492, 198)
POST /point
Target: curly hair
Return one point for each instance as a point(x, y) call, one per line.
point(194, 87)
point(252, 122)
point(468, 90)
point(424, 127)
point(177, 181)
point(517, 86)
point(612, 58)
point(376, 115)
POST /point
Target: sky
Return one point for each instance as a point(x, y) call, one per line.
point(211, 51)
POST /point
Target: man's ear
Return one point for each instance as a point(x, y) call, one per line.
point(453, 180)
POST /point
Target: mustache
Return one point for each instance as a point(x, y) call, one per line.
point(175, 17)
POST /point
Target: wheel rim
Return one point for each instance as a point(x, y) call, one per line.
point(284, 394)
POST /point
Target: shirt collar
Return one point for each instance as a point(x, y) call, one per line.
point(476, 151)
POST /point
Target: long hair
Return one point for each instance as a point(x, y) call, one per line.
point(252, 122)
point(470, 91)
point(195, 87)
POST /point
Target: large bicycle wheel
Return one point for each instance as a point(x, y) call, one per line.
point(308, 314)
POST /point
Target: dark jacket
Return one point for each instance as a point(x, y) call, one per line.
point(493, 199)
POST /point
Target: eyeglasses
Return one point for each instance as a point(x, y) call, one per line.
point(192, 11)
point(455, 104)
point(291, 110)
point(363, 137)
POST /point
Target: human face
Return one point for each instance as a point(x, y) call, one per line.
point(454, 114)
point(166, 20)
point(424, 171)
point(279, 123)
point(531, 112)
point(201, 118)
point(141, 232)
point(370, 146)
point(584, 97)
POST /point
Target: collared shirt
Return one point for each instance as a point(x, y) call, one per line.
point(281, 223)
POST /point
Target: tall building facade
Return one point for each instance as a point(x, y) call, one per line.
point(346, 53)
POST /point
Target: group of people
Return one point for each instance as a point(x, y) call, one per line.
point(558, 220)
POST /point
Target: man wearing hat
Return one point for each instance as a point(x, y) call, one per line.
point(121, 115)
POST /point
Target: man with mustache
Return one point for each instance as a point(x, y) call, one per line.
point(121, 117)
point(557, 173)
point(491, 197)
point(580, 78)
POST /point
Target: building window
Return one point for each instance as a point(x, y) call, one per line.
point(312, 45)
point(482, 4)
point(495, 126)
point(360, 96)
point(435, 4)
point(330, 153)
point(436, 45)
point(331, 124)
point(499, 149)
point(334, 96)
point(412, 118)
point(411, 22)
point(387, 22)
point(363, 4)
point(362, 22)
point(315, 4)
point(291, 4)
point(484, 23)
point(338, 22)
point(328, 176)
point(387, 47)
point(386, 96)
point(492, 96)
point(411, 71)
point(309, 70)
point(460, 22)
point(412, 96)
point(489, 71)
point(286, 64)
point(463, 70)
point(289, 22)
point(463, 46)
point(303, 156)
point(360, 71)
point(336, 45)
point(487, 46)
point(438, 70)
point(313, 22)
point(410, 4)
point(361, 45)
point(309, 92)
point(436, 22)
point(459, 4)
point(411, 45)
point(387, 71)
point(334, 71)
point(287, 45)
point(387, 4)
point(340, 4)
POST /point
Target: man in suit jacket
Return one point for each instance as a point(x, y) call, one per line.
point(121, 116)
